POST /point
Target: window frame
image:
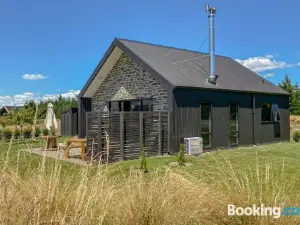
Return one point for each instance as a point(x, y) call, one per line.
point(121, 104)
point(236, 132)
point(271, 114)
point(209, 125)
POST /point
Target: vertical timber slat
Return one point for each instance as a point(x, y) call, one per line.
point(99, 132)
point(169, 133)
point(159, 133)
point(122, 135)
point(141, 131)
point(87, 124)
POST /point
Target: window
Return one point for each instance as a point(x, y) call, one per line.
point(147, 104)
point(233, 125)
point(131, 105)
point(136, 105)
point(270, 112)
point(114, 106)
point(206, 124)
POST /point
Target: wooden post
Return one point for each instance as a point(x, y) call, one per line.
point(99, 132)
point(169, 132)
point(67, 153)
point(87, 128)
point(141, 131)
point(82, 151)
point(122, 135)
point(159, 133)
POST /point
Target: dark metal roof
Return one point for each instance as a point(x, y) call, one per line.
point(184, 68)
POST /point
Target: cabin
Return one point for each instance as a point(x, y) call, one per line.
point(240, 108)
point(6, 109)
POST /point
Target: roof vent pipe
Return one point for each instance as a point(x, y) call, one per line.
point(212, 12)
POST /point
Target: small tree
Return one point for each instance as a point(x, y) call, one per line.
point(181, 156)
point(45, 132)
point(7, 134)
point(143, 161)
point(4, 121)
point(18, 117)
point(27, 132)
point(296, 136)
point(17, 133)
point(37, 132)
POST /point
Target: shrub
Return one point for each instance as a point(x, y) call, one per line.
point(7, 134)
point(27, 132)
point(181, 157)
point(37, 132)
point(45, 132)
point(296, 136)
point(17, 133)
point(143, 161)
point(1, 135)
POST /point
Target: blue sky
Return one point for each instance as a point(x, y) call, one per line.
point(62, 41)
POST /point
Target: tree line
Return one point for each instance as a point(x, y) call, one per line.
point(30, 112)
point(294, 90)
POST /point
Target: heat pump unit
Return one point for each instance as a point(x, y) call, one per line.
point(193, 146)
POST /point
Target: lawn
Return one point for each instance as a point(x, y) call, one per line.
point(197, 193)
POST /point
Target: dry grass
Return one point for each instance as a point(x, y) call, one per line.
point(44, 198)
point(39, 123)
point(294, 123)
point(46, 195)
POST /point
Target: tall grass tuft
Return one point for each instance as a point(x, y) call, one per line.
point(261, 185)
point(48, 196)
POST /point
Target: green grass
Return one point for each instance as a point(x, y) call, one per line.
point(25, 162)
point(243, 159)
point(282, 156)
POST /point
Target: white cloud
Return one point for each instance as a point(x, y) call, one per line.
point(263, 63)
point(298, 64)
point(69, 94)
point(21, 99)
point(34, 77)
point(18, 99)
point(28, 94)
point(270, 56)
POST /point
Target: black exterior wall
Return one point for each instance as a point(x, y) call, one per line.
point(187, 116)
point(69, 122)
point(84, 105)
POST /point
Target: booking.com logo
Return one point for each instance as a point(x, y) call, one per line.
point(261, 210)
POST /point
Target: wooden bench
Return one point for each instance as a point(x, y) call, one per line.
point(81, 141)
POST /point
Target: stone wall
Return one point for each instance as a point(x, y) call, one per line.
point(127, 80)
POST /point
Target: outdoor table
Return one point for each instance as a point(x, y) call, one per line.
point(51, 142)
point(82, 143)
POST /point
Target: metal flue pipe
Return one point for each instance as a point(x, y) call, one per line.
point(212, 75)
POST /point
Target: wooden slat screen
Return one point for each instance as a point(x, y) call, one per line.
point(123, 134)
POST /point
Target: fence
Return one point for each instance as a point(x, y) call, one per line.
point(121, 135)
point(69, 122)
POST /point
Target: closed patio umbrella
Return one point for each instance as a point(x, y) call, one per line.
point(50, 121)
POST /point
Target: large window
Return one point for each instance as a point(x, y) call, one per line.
point(206, 124)
point(233, 125)
point(270, 112)
point(131, 105)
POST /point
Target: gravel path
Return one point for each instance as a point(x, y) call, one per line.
point(59, 154)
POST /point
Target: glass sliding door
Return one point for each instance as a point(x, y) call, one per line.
point(206, 125)
point(233, 125)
